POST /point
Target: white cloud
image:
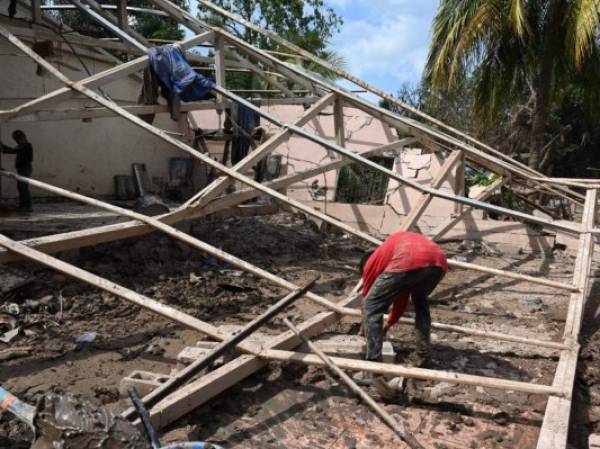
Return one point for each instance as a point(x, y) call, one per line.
point(385, 42)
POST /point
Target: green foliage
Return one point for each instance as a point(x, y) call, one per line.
point(306, 23)
point(149, 26)
point(157, 27)
point(516, 52)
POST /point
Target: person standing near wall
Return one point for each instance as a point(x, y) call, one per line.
point(23, 165)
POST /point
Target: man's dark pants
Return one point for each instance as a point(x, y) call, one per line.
point(385, 290)
point(23, 188)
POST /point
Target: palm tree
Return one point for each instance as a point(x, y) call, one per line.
point(509, 48)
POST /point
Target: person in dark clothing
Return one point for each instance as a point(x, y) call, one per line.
point(23, 165)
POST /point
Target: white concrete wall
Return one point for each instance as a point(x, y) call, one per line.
point(72, 154)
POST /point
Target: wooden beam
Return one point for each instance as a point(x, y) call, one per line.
point(108, 233)
point(555, 427)
point(244, 179)
point(36, 11)
point(110, 17)
point(459, 183)
point(394, 370)
point(370, 88)
point(94, 81)
point(193, 23)
point(175, 233)
point(419, 208)
point(219, 185)
point(449, 222)
point(220, 64)
point(205, 388)
point(245, 63)
point(387, 419)
point(122, 17)
point(101, 112)
point(73, 39)
point(338, 122)
point(109, 22)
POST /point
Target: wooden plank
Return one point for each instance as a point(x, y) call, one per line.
point(244, 179)
point(243, 62)
point(101, 112)
point(338, 122)
point(396, 427)
point(220, 65)
point(73, 39)
point(36, 11)
point(555, 426)
point(459, 183)
point(219, 185)
point(108, 233)
point(393, 99)
point(419, 208)
point(122, 16)
point(94, 81)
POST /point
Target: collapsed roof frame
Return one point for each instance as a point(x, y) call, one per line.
point(555, 425)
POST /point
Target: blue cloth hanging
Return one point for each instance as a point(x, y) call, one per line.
point(175, 73)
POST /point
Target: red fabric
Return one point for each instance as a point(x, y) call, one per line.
point(402, 251)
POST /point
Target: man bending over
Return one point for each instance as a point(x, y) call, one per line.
point(406, 265)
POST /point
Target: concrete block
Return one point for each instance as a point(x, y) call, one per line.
point(144, 382)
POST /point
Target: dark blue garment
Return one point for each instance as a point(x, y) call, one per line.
point(175, 73)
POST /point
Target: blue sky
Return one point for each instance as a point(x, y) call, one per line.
point(384, 42)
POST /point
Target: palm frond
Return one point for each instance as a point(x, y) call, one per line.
point(582, 25)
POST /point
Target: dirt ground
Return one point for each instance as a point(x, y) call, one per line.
point(290, 406)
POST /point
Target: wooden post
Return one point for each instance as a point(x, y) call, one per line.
point(338, 122)
point(219, 185)
point(122, 16)
point(459, 183)
point(220, 65)
point(555, 427)
point(36, 11)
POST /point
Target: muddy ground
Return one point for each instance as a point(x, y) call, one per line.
point(290, 406)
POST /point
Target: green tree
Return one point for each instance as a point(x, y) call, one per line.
point(517, 52)
point(306, 23)
point(149, 26)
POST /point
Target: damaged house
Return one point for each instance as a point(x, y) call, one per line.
point(168, 229)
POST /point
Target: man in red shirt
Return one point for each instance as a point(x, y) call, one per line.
point(406, 265)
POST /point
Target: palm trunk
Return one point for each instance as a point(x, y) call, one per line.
point(543, 84)
point(538, 125)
